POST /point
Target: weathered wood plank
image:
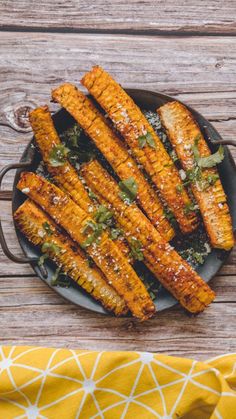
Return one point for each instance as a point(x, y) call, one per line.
point(37, 315)
point(200, 71)
point(135, 15)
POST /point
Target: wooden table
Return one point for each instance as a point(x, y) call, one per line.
point(186, 49)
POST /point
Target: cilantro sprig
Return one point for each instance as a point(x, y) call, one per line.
point(207, 161)
point(146, 139)
point(58, 155)
point(196, 174)
point(115, 233)
point(47, 249)
point(72, 135)
point(136, 249)
point(103, 215)
point(94, 231)
point(93, 228)
point(128, 190)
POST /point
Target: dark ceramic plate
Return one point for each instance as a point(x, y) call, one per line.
point(149, 101)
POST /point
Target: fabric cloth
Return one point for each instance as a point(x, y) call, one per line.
point(62, 383)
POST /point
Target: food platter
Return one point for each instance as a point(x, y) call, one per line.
point(149, 101)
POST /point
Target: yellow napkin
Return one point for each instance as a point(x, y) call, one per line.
point(62, 383)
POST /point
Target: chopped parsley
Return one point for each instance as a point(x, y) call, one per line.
point(81, 148)
point(58, 155)
point(179, 188)
point(72, 135)
point(95, 230)
point(150, 282)
point(115, 233)
point(207, 161)
point(129, 190)
point(211, 179)
point(196, 174)
point(190, 207)
point(103, 215)
point(103, 219)
point(136, 249)
point(146, 139)
point(48, 248)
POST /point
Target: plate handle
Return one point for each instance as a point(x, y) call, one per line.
point(225, 142)
point(5, 249)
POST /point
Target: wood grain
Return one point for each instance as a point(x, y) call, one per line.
point(120, 15)
point(37, 315)
point(200, 71)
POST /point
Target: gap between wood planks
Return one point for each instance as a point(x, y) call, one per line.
point(147, 32)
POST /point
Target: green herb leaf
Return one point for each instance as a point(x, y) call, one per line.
point(195, 147)
point(150, 140)
point(115, 233)
point(213, 159)
point(72, 135)
point(58, 155)
point(179, 188)
point(169, 216)
point(211, 179)
point(129, 190)
point(136, 249)
point(55, 277)
point(47, 228)
point(146, 139)
point(103, 215)
point(190, 207)
point(142, 141)
point(198, 257)
point(50, 247)
point(95, 230)
point(207, 161)
point(42, 259)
